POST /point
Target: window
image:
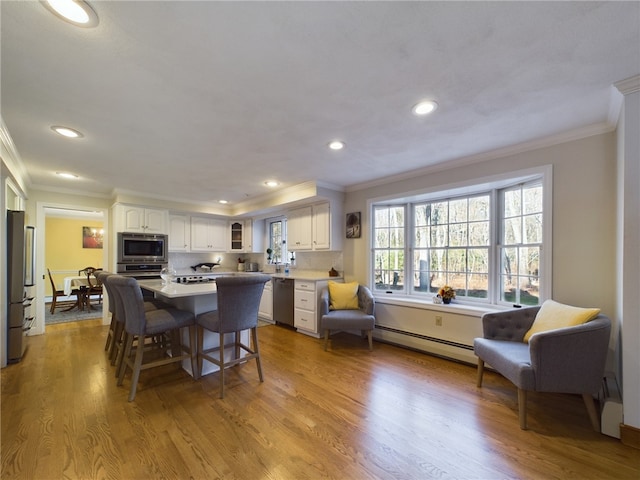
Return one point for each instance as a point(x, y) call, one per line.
point(277, 239)
point(485, 241)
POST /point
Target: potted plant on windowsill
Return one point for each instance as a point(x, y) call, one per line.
point(446, 293)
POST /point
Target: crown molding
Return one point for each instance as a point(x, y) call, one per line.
point(12, 160)
point(628, 85)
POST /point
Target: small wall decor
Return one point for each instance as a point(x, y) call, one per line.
point(92, 237)
point(353, 225)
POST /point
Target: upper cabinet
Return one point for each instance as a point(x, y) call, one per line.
point(179, 233)
point(130, 218)
point(208, 234)
point(314, 228)
point(245, 236)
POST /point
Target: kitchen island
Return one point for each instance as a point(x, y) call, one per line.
point(196, 298)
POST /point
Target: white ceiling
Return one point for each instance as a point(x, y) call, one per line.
point(200, 101)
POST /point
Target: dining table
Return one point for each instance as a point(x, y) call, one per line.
point(77, 282)
point(196, 298)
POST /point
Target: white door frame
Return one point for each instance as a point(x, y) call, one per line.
point(38, 328)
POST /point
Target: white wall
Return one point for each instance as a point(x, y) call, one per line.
point(584, 206)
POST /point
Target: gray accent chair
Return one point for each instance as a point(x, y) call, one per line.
point(362, 319)
point(238, 304)
point(140, 324)
point(565, 360)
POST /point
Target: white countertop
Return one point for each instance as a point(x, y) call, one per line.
point(176, 290)
point(311, 275)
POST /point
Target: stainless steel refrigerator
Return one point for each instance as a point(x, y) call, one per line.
point(20, 283)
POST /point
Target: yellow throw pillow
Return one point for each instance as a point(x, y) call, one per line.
point(343, 296)
point(553, 315)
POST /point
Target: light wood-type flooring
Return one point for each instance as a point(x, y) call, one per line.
point(343, 414)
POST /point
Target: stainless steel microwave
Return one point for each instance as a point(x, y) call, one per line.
point(142, 247)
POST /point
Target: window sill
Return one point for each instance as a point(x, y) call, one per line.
point(459, 308)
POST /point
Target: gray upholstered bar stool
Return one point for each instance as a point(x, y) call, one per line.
point(141, 324)
point(238, 303)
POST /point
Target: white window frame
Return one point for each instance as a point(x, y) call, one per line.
point(491, 184)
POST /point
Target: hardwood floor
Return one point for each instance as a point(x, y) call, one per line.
point(344, 414)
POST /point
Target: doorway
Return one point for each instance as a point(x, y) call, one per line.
point(75, 215)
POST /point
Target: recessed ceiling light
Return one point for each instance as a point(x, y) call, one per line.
point(76, 12)
point(67, 132)
point(271, 183)
point(424, 108)
point(336, 145)
point(224, 202)
point(66, 175)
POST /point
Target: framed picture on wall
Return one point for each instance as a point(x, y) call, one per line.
point(92, 237)
point(353, 225)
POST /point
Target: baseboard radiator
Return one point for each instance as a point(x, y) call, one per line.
point(610, 405)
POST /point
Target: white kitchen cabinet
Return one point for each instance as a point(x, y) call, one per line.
point(265, 311)
point(306, 303)
point(179, 233)
point(208, 234)
point(312, 228)
point(131, 218)
point(245, 236)
point(299, 229)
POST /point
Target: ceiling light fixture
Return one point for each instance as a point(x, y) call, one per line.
point(224, 202)
point(336, 145)
point(271, 183)
point(67, 132)
point(66, 175)
point(76, 12)
point(424, 108)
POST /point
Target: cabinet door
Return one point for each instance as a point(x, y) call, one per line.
point(131, 219)
point(200, 235)
point(218, 229)
point(155, 221)
point(266, 303)
point(237, 237)
point(179, 233)
point(321, 227)
point(299, 229)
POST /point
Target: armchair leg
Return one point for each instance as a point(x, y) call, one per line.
point(592, 410)
point(370, 337)
point(522, 408)
point(480, 372)
point(326, 338)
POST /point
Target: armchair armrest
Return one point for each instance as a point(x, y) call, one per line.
point(365, 300)
point(571, 359)
point(510, 325)
point(324, 302)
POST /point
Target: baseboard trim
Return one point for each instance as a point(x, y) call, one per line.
point(630, 436)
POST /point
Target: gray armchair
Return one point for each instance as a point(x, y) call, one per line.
point(362, 319)
point(565, 360)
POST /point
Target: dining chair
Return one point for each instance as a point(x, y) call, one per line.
point(93, 287)
point(114, 343)
point(238, 302)
point(57, 293)
point(141, 324)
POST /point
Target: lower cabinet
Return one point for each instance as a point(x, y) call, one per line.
point(306, 301)
point(265, 311)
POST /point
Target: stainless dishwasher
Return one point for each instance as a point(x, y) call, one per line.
point(283, 300)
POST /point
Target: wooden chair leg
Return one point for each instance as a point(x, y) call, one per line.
point(193, 351)
point(221, 365)
point(480, 372)
point(592, 411)
point(124, 350)
point(53, 304)
point(199, 350)
point(522, 408)
point(370, 336)
point(326, 338)
point(137, 366)
point(118, 333)
point(254, 335)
